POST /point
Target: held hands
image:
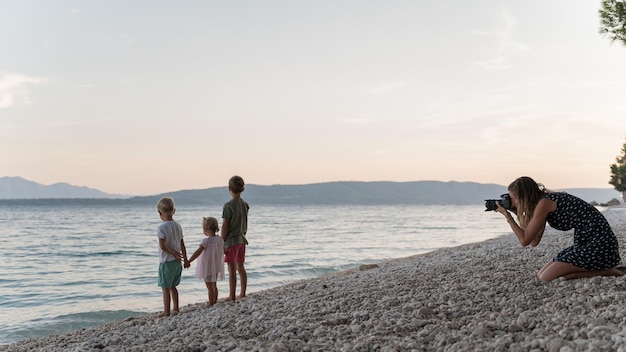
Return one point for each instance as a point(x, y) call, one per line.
point(183, 258)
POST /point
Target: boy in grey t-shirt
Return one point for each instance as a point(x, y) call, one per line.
point(171, 252)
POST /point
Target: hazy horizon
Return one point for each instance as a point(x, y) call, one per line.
point(295, 184)
point(148, 97)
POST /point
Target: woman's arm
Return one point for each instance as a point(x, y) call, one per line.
point(533, 232)
point(537, 239)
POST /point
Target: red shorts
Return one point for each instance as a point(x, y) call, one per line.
point(235, 254)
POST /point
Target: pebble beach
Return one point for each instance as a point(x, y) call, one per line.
point(478, 297)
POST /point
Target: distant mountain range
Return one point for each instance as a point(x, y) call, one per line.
point(19, 188)
point(16, 190)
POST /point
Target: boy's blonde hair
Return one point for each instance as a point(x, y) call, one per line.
point(210, 223)
point(166, 206)
point(236, 184)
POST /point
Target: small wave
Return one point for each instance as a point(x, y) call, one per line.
point(439, 228)
point(62, 324)
point(107, 254)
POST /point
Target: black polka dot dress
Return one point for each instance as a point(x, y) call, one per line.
point(595, 245)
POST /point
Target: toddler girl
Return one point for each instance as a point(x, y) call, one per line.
point(210, 256)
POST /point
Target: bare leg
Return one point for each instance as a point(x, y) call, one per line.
point(232, 280)
point(553, 270)
point(174, 294)
point(212, 286)
point(166, 301)
point(243, 277)
point(208, 289)
point(543, 269)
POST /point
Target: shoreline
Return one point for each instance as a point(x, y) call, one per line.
point(483, 296)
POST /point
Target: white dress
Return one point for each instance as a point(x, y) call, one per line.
point(210, 264)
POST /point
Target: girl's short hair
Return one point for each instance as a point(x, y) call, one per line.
point(236, 184)
point(210, 223)
point(166, 205)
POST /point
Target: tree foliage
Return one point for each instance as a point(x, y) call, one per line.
point(613, 20)
point(618, 172)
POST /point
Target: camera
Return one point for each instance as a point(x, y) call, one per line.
point(505, 202)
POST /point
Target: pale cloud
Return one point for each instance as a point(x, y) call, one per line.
point(507, 46)
point(356, 121)
point(13, 86)
point(362, 119)
point(500, 63)
point(384, 88)
point(6, 100)
point(379, 89)
point(505, 35)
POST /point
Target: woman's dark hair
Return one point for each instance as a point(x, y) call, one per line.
point(529, 193)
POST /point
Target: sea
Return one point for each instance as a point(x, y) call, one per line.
point(67, 267)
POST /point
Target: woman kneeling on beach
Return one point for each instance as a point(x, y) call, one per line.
point(595, 251)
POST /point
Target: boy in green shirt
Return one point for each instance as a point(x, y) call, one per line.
point(234, 228)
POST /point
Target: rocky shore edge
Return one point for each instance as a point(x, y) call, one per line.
point(483, 296)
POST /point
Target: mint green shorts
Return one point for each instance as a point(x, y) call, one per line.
point(169, 274)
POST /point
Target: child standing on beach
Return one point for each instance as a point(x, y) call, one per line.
point(234, 228)
point(210, 256)
point(171, 252)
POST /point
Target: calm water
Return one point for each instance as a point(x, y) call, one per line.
point(70, 267)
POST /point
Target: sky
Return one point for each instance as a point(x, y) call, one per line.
point(146, 97)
